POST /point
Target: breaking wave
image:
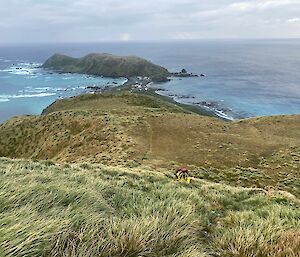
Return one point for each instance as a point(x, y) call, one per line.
point(23, 68)
point(5, 98)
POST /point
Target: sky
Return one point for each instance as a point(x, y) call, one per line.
point(144, 20)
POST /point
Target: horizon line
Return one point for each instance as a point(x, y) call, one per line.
point(149, 41)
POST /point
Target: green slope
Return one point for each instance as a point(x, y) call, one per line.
point(139, 130)
point(93, 210)
point(107, 65)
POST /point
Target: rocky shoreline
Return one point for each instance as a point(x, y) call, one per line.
point(213, 109)
point(142, 85)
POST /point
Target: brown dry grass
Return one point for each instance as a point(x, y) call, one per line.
point(134, 129)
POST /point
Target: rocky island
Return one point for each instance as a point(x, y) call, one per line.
point(108, 65)
point(184, 74)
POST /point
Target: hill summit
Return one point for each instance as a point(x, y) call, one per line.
point(107, 65)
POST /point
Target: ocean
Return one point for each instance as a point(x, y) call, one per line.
point(243, 78)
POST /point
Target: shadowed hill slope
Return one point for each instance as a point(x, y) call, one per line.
point(94, 210)
point(107, 65)
point(140, 130)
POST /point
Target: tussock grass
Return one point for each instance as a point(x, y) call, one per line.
point(266, 235)
point(137, 130)
point(94, 210)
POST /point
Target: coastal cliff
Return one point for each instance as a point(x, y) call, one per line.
point(108, 65)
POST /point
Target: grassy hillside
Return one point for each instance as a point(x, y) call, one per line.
point(94, 210)
point(132, 130)
point(107, 65)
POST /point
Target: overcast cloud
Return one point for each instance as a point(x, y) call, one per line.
point(112, 20)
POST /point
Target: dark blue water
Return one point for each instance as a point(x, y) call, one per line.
point(243, 78)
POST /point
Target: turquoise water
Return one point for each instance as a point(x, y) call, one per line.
point(243, 78)
point(27, 89)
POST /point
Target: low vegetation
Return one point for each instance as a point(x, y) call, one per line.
point(107, 65)
point(94, 210)
point(136, 130)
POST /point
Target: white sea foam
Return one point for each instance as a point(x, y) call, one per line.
point(47, 90)
point(32, 91)
point(22, 68)
point(34, 95)
point(43, 88)
point(124, 82)
point(26, 96)
point(58, 89)
point(22, 71)
point(223, 115)
point(2, 100)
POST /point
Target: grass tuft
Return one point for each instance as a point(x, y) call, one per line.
point(95, 210)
